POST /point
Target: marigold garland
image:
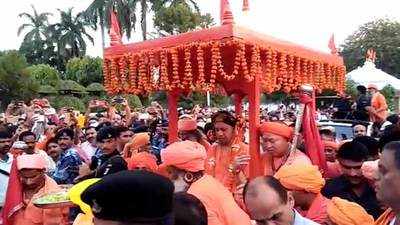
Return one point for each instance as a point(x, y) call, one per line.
point(133, 72)
point(200, 66)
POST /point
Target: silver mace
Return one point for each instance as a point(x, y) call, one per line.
point(304, 89)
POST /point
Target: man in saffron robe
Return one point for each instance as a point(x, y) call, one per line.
point(305, 182)
point(343, 212)
point(228, 159)
point(378, 109)
point(275, 141)
point(36, 183)
point(184, 163)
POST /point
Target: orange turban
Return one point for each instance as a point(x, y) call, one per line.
point(34, 161)
point(343, 212)
point(186, 155)
point(138, 140)
point(331, 144)
point(143, 159)
point(300, 177)
point(277, 129)
point(187, 124)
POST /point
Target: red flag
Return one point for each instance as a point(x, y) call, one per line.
point(332, 45)
point(14, 198)
point(312, 139)
point(246, 6)
point(115, 31)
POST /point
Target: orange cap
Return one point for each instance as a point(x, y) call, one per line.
point(277, 129)
point(143, 159)
point(185, 155)
point(33, 161)
point(187, 124)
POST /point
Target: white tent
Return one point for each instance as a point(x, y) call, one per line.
point(369, 74)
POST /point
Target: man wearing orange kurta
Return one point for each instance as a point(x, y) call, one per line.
point(187, 128)
point(275, 141)
point(305, 182)
point(378, 109)
point(184, 163)
point(228, 159)
point(343, 212)
point(35, 183)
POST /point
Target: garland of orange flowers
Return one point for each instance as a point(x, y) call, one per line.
point(188, 77)
point(122, 74)
point(164, 71)
point(152, 84)
point(175, 69)
point(106, 74)
point(114, 81)
point(133, 73)
point(200, 67)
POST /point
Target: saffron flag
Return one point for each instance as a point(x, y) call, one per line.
point(312, 139)
point(332, 45)
point(115, 31)
point(14, 199)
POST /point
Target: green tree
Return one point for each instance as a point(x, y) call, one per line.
point(389, 92)
point(37, 46)
point(85, 70)
point(15, 80)
point(69, 34)
point(98, 13)
point(37, 25)
point(180, 18)
point(383, 36)
point(45, 74)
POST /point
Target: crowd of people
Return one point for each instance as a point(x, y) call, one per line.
point(123, 170)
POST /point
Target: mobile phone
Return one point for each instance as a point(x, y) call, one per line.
point(119, 100)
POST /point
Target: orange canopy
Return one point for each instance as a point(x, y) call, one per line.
point(228, 55)
point(228, 59)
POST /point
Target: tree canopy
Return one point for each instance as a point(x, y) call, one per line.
point(85, 70)
point(382, 35)
point(15, 80)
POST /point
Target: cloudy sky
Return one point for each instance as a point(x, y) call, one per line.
point(306, 22)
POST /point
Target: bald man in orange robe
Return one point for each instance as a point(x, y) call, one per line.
point(305, 182)
point(378, 109)
point(275, 141)
point(184, 163)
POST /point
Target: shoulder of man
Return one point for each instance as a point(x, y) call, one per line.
point(333, 187)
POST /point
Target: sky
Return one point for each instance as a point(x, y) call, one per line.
point(306, 22)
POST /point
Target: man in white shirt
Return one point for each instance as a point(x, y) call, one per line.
point(5, 164)
point(268, 202)
point(30, 140)
point(89, 146)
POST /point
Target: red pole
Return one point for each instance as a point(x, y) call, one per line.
point(238, 104)
point(254, 123)
point(172, 116)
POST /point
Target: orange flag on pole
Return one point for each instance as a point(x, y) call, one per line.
point(332, 45)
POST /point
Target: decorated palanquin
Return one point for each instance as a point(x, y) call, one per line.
point(226, 59)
